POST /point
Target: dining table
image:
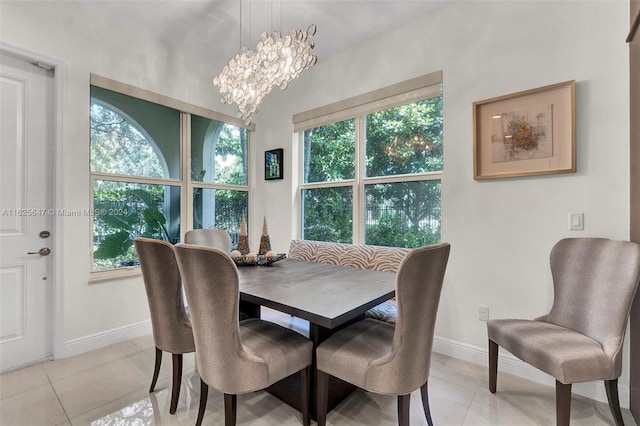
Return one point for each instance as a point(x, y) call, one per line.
point(328, 296)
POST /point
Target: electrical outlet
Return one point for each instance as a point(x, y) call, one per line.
point(483, 313)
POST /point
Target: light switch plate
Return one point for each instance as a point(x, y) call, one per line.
point(483, 312)
point(576, 221)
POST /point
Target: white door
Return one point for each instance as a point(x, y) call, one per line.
point(26, 215)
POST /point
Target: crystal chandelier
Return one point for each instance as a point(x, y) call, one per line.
point(249, 77)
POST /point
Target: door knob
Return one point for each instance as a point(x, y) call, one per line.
point(44, 251)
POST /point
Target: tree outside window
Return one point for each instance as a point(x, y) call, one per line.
point(219, 175)
point(137, 175)
point(397, 189)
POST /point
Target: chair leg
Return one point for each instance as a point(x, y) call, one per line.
point(563, 403)
point(230, 407)
point(614, 403)
point(493, 365)
point(322, 394)
point(156, 369)
point(424, 392)
point(204, 394)
point(177, 378)
point(305, 383)
point(403, 409)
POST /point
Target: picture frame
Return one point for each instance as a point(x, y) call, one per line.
point(526, 133)
point(273, 164)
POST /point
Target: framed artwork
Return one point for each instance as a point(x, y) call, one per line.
point(526, 133)
point(273, 166)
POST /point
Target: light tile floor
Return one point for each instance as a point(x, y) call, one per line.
point(109, 386)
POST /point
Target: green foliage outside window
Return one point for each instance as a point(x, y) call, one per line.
point(219, 208)
point(399, 141)
point(328, 214)
point(403, 214)
point(231, 156)
point(137, 171)
point(406, 139)
point(329, 152)
point(122, 212)
point(118, 147)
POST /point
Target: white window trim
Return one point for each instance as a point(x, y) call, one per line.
point(358, 107)
point(410, 91)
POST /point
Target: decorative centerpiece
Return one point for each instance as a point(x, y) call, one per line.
point(265, 242)
point(243, 239)
point(253, 259)
point(265, 257)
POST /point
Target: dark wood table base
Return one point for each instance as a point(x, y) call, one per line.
point(329, 297)
point(288, 389)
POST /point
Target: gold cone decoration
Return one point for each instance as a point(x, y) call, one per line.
point(243, 239)
point(265, 242)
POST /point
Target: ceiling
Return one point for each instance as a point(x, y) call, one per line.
point(211, 28)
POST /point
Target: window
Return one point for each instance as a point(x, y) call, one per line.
point(218, 171)
point(140, 184)
point(372, 167)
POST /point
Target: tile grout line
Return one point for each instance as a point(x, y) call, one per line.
point(107, 403)
point(121, 396)
point(466, 414)
point(84, 371)
point(59, 400)
point(121, 357)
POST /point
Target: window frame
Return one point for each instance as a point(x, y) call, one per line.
point(411, 91)
point(184, 182)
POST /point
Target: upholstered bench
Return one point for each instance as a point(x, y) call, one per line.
point(377, 258)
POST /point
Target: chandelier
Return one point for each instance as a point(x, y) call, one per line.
point(249, 77)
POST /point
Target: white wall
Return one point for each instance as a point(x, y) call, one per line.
point(501, 231)
point(86, 44)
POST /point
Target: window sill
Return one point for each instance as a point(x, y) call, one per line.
point(115, 274)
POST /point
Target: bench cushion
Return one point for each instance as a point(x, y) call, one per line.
point(377, 258)
point(386, 311)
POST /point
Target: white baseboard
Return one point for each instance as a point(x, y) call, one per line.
point(106, 338)
point(507, 363)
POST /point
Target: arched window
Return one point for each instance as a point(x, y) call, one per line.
point(135, 158)
point(119, 145)
point(207, 217)
point(158, 170)
point(218, 167)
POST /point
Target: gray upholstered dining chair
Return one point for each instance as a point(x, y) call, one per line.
point(211, 237)
point(236, 357)
point(171, 327)
point(381, 358)
point(581, 338)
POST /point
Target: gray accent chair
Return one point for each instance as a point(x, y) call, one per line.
point(171, 327)
point(218, 238)
point(211, 237)
point(236, 357)
point(381, 358)
point(580, 339)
